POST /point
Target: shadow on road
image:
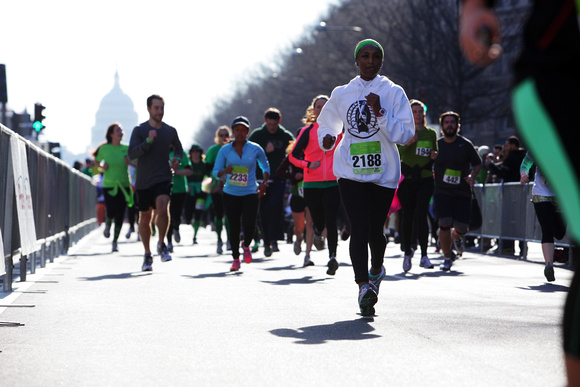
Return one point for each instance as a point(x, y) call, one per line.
point(358, 329)
point(116, 276)
point(546, 288)
point(91, 254)
point(215, 275)
point(293, 281)
point(280, 268)
point(429, 274)
point(196, 256)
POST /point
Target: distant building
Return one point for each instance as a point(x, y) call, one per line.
point(116, 106)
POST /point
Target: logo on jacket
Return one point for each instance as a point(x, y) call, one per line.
point(361, 120)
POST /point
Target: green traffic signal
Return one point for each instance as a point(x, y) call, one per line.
point(38, 117)
point(37, 125)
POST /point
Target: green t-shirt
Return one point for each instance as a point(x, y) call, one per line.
point(180, 181)
point(211, 154)
point(117, 172)
point(419, 153)
point(199, 172)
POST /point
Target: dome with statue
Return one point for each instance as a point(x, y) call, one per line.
point(116, 106)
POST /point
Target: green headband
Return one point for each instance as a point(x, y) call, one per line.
point(367, 42)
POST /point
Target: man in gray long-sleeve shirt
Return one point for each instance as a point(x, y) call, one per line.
point(150, 144)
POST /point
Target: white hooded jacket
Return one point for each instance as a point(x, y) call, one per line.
point(367, 152)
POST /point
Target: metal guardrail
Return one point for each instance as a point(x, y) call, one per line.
point(63, 201)
point(508, 214)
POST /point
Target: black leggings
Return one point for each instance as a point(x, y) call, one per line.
point(414, 198)
point(367, 206)
point(175, 210)
point(218, 206)
point(323, 204)
point(191, 211)
point(116, 206)
point(550, 221)
point(241, 211)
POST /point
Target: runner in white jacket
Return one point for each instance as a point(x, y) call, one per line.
point(375, 115)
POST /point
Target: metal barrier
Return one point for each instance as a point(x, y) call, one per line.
point(508, 214)
point(63, 202)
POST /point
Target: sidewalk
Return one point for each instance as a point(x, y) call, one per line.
point(93, 318)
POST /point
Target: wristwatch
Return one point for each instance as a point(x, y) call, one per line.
point(382, 112)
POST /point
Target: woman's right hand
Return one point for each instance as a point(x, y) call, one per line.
point(226, 171)
point(328, 141)
point(524, 178)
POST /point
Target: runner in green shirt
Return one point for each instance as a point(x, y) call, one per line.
point(114, 160)
point(223, 135)
point(178, 196)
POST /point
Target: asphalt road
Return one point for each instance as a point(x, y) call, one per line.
point(92, 318)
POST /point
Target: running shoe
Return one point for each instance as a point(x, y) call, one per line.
point(344, 234)
point(297, 246)
point(235, 265)
point(107, 230)
point(255, 247)
point(318, 240)
point(367, 298)
point(163, 252)
point(459, 245)
point(170, 247)
point(332, 266)
point(194, 240)
point(247, 254)
point(549, 273)
point(375, 280)
point(307, 261)
point(275, 248)
point(446, 265)
point(129, 232)
point(267, 250)
point(407, 264)
point(115, 248)
point(397, 238)
point(426, 262)
point(147, 262)
point(176, 235)
point(219, 249)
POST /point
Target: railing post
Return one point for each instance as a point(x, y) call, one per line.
point(23, 267)
point(9, 275)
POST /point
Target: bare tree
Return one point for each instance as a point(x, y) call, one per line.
point(422, 54)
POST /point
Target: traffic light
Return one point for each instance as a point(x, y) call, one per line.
point(38, 117)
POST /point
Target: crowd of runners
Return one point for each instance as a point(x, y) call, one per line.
point(365, 155)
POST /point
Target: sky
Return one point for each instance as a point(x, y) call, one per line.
point(64, 54)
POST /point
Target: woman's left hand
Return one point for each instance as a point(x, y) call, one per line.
point(314, 164)
point(374, 101)
point(262, 190)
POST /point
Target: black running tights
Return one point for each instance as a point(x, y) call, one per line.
point(241, 211)
point(367, 206)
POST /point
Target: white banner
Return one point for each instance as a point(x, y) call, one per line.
point(2, 263)
point(23, 196)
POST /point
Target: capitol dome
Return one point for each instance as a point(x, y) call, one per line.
point(116, 106)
